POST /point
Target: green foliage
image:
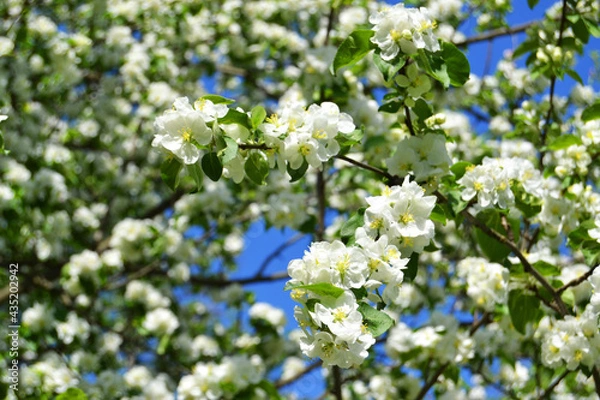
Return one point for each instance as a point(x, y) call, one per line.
point(212, 167)
point(412, 267)
point(355, 47)
point(377, 322)
point(257, 167)
point(388, 69)
point(169, 172)
point(297, 174)
point(319, 289)
point(523, 309)
point(591, 113)
point(449, 66)
point(72, 394)
point(492, 218)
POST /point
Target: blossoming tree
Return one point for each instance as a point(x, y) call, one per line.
point(453, 219)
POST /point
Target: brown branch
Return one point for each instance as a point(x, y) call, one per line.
point(544, 133)
point(546, 393)
point(367, 167)
point(284, 382)
point(278, 252)
point(431, 381)
point(489, 35)
point(576, 281)
point(409, 123)
point(213, 282)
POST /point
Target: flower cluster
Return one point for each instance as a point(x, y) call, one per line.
point(491, 181)
point(402, 214)
point(425, 157)
point(182, 130)
point(221, 380)
point(334, 282)
point(487, 282)
point(300, 134)
point(574, 341)
point(399, 29)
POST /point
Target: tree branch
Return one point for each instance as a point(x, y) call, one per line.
point(494, 33)
point(546, 393)
point(544, 133)
point(277, 252)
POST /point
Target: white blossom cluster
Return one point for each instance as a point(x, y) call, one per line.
point(221, 380)
point(402, 214)
point(441, 339)
point(491, 181)
point(487, 282)
point(298, 134)
point(424, 157)
point(333, 327)
point(182, 130)
point(399, 29)
point(574, 340)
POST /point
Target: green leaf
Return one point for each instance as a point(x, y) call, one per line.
point(523, 309)
point(320, 289)
point(532, 3)
point(353, 48)
point(494, 250)
point(230, 151)
point(377, 322)
point(525, 47)
point(257, 167)
point(459, 168)
point(72, 394)
point(412, 267)
point(169, 172)
point(257, 116)
point(212, 167)
point(195, 172)
point(573, 74)
point(360, 293)
point(296, 174)
point(564, 141)
point(579, 235)
point(388, 70)
point(580, 29)
point(422, 109)
point(216, 99)
point(449, 66)
point(236, 117)
point(349, 139)
point(546, 268)
point(390, 107)
point(591, 113)
point(163, 344)
point(438, 214)
point(592, 26)
point(353, 223)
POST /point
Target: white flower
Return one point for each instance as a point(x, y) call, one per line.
point(341, 317)
point(180, 129)
point(264, 311)
point(38, 317)
point(161, 321)
point(403, 29)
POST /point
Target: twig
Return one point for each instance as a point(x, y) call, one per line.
point(482, 37)
point(546, 393)
point(576, 281)
point(544, 133)
point(409, 123)
point(213, 282)
point(284, 382)
point(278, 252)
